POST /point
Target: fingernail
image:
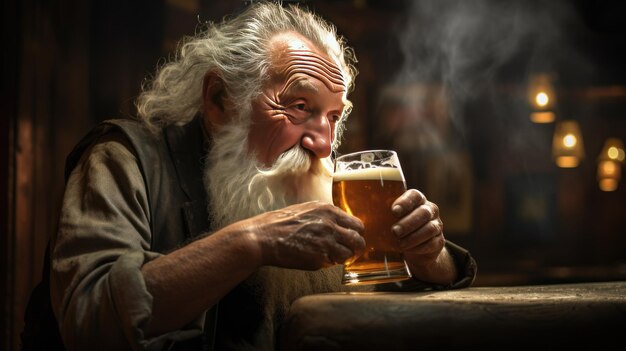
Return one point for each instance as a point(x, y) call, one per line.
point(397, 230)
point(397, 210)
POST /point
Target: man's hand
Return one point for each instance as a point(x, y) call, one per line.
point(420, 235)
point(306, 236)
point(419, 230)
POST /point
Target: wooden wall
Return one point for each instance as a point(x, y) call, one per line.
point(48, 107)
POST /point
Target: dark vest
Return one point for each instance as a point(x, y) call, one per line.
point(172, 164)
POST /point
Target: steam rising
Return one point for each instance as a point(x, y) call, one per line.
point(463, 45)
point(467, 63)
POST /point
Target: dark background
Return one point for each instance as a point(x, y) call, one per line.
point(442, 82)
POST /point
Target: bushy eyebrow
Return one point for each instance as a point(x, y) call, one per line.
point(305, 85)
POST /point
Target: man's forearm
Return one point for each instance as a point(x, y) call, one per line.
point(193, 278)
point(440, 271)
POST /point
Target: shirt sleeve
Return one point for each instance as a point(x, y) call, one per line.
point(98, 292)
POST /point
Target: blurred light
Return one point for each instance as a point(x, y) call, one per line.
point(610, 164)
point(608, 168)
point(541, 97)
point(613, 149)
point(609, 174)
point(569, 140)
point(567, 144)
point(542, 117)
point(567, 161)
point(608, 184)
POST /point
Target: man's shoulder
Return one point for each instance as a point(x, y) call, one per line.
point(127, 128)
point(126, 132)
point(131, 127)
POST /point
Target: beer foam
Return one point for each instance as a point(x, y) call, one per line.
point(385, 173)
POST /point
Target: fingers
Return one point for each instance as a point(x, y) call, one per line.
point(420, 229)
point(345, 220)
point(313, 235)
point(407, 202)
point(318, 209)
point(418, 218)
point(335, 243)
point(427, 239)
point(350, 240)
point(345, 231)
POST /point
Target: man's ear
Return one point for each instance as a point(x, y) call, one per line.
point(214, 100)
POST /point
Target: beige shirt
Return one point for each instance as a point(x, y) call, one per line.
point(98, 292)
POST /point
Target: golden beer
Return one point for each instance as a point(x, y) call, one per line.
point(368, 193)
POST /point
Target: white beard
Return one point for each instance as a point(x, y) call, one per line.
point(239, 188)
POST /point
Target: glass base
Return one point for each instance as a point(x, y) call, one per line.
point(374, 276)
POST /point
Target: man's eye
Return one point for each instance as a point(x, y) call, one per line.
point(336, 118)
point(301, 107)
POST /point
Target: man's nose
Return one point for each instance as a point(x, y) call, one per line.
point(317, 136)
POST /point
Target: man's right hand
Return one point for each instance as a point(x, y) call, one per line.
point(307, 236)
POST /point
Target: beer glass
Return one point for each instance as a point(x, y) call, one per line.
point(365, 184)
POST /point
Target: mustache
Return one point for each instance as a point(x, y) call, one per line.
point(296, 160)
point(299, 160)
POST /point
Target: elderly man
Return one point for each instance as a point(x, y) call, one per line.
point(198, 225)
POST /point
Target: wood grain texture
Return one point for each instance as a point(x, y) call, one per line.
point(589, 314)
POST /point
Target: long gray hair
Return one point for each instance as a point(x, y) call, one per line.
point(236, 49)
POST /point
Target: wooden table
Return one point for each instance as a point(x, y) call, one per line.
point(591, 315)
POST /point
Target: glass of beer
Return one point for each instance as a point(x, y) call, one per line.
point(365, 184)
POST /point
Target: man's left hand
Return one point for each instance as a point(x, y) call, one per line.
point(419, 230)
point(420, 235)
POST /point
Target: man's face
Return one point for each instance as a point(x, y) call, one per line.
point(301, 103)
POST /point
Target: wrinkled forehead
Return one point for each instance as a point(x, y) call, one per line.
point(294, 56)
